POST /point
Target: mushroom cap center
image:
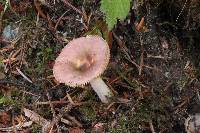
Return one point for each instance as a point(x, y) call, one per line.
point(83, 64)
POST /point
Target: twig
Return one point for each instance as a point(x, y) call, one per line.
point(15, 84)
point(110, 105)
point(70, 5)
point(1, 21)
point(18, 127)
point(8, 60)
point(114, 80)
point(140, 93)
point(70, 99)
point(198, 95)
point(37, 6)
point(141, 56)
point(152, 68)
point(151, 127)
point(52, 102)
point(155, 56)
point(16, 53)
point(66, 121)
point(84, 19)
point(29, 93)
point(14, 125)
point(64, 112)
point(51, 25)
point(23, 75)
point(121, 45)
point(177, 108)
point(89, 18)
point(181, 11)
point(74, 120)
point(59, 19)
point(53, 111)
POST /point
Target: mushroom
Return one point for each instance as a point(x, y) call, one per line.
point(82, 61)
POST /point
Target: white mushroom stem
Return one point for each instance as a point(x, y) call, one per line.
point(101, 89)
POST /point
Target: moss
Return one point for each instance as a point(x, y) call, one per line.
point(121, 126)
point(88, 111)
point(6, 100)
point(147, 110)
point(36, 128)
point(12, 100)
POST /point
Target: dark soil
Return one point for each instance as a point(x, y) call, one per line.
point(154, 72)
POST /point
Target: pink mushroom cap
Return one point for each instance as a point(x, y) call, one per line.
point(81, 60)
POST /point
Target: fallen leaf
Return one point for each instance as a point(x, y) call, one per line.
point(76, 130)
point(141, 26)
point(5, 118)
point(35, 117)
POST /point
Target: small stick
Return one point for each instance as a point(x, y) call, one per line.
point(26, 92)
point(70, 5)
point(74, 120)
point(198, 95)
point(152, 68)
point(53, 111)
point(8, 60)
point(18, 127)
point(37, 6)
point(59, 19)
point(51, 25)
point(66, 121)
point(181, 11)
point(23, 75)
point(70, 99)
point(15, 84)
point(16, 53)
point(141, 56)
point(151, 127)
point(121, 45)
point(155, 56)
point(140, 93)
point(114, 80)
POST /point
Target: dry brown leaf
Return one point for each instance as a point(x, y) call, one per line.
point(35, 117)
point(5, 118)
point(76, 130)
point(141, 26)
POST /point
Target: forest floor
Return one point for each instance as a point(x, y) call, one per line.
point(154, 70)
